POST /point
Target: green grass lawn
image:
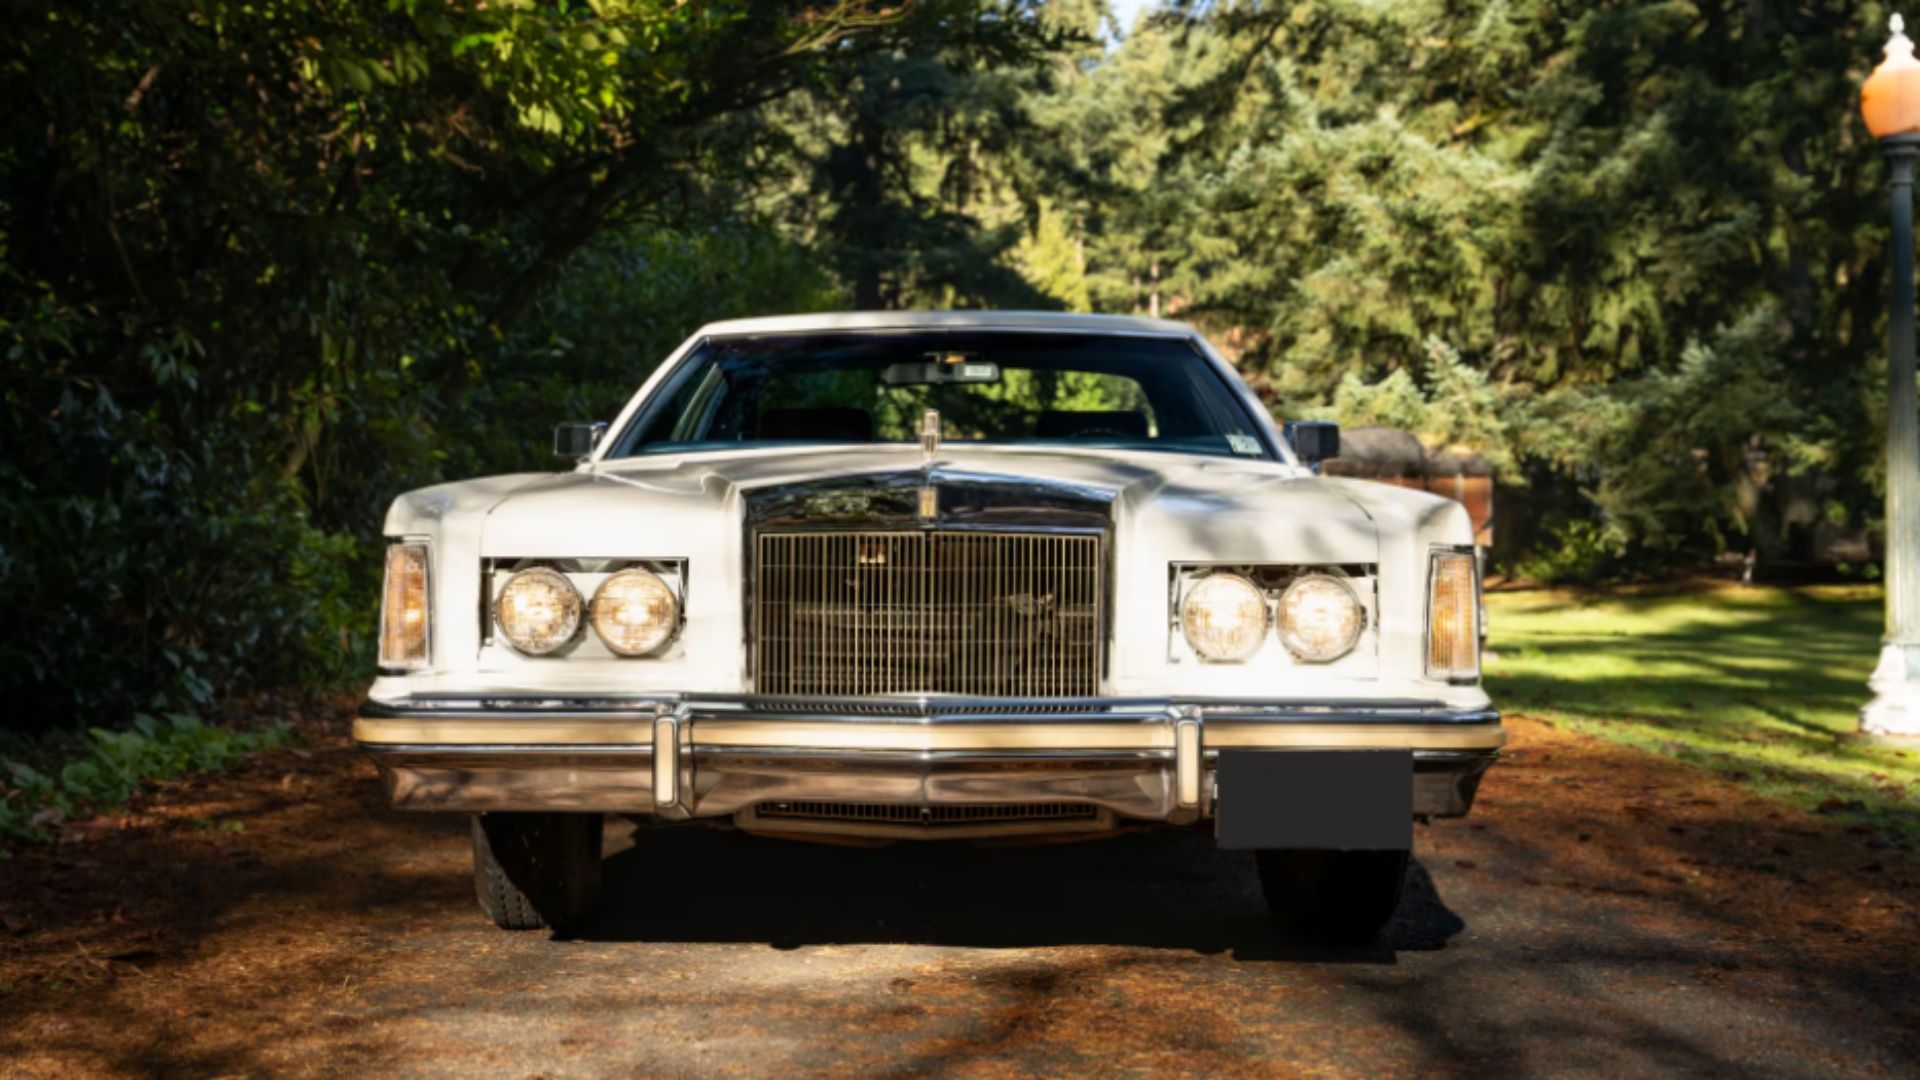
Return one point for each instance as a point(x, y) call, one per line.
point(1760, 685)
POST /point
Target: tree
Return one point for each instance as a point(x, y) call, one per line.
point(906, 176)
point(267, 263)
point(1569, 197)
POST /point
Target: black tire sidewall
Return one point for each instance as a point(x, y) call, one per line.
point(1339, 896)
point(535, 870)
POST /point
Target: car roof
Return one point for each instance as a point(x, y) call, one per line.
point(1054, 321)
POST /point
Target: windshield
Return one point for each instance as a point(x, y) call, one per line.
point(1135, 393)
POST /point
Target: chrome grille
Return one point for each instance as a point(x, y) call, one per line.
point(943, 814)
point(926, 612)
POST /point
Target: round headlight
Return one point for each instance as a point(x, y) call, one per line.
point(1320, 618)
point(634, 612)
point(1224, 617)
point(538, 611)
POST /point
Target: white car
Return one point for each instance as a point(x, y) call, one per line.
point(951, 575)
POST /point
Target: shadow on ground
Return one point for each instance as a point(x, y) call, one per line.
point(1165, 890)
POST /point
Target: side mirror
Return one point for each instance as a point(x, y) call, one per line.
point(577, 440)
point(1314, 441)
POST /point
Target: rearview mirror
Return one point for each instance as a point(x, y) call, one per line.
point(946, 370)
point(1314, 441)
point(576, 440)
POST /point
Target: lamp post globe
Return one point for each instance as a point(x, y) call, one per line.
point(1890, 104)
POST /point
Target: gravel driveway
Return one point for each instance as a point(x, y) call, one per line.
point(1603, 913)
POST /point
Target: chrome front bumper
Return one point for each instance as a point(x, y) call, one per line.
point(680, 758)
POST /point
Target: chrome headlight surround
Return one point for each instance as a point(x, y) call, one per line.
point(625, 594)
point(547, 619)
point(406, 606)
point(1224, 617)
point(1296, 617)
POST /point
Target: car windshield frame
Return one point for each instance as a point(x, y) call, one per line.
point(1213, 390)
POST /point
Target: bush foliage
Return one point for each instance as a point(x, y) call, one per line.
point(111, 766)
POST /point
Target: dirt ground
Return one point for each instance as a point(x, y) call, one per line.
point(1603, 913)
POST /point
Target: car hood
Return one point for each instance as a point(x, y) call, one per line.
point(1189, 506)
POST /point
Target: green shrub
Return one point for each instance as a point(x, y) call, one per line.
point(110, 767)
point(158, 561)
point(1577, 552)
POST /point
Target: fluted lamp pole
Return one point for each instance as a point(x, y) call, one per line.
point(1890, 102)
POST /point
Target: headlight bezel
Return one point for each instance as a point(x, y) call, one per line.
point(669, 631)
point(575, 606)
point(1224, 579)
point(1287, 633)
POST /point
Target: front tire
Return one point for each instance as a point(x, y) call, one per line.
point(536, 871)
point(1344, 897)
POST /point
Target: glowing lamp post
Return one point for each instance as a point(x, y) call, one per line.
point(1890, 102)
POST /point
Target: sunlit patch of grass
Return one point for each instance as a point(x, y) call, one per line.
point(1762, 685)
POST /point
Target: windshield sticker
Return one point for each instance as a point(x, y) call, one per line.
point(1244, 444)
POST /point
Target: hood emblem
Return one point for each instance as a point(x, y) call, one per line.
point(930, 433)
point(840, 504)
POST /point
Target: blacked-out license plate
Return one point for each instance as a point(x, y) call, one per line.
point(1348, 800)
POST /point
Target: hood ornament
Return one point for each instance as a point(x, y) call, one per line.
point(929, 446)
point(930, 433)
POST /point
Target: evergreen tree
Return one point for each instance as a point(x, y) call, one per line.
point(900, 174)
point(1587, 203)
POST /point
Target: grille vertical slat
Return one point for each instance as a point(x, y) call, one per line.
point(875, 613)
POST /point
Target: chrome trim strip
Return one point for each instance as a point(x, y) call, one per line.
point(925, 708)
point(854, 759)
point(533, 753)
point(733, 723)
point(1143, 716)
point(619, 754)
point(1292, 714)
point(544, 753)
point(419, 708)
point(710, 731)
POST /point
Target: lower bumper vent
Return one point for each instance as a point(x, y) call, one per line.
point(909, 814)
